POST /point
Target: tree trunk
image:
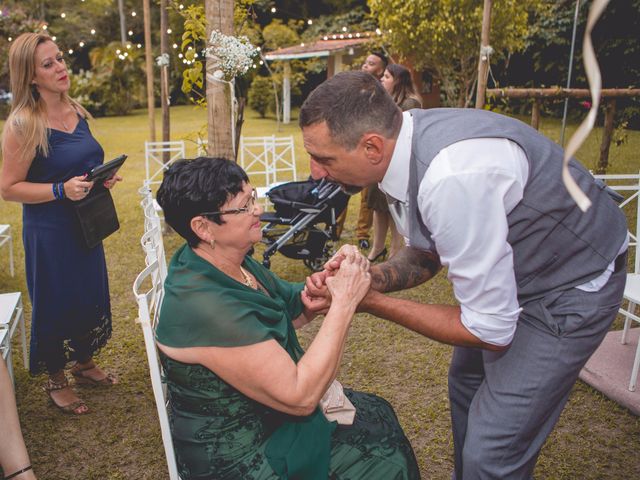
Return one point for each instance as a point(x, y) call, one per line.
point(219, 14)
point(483, 61)
point(149, 67)
point(123, 26)
point(164, 76)
point(609, 117)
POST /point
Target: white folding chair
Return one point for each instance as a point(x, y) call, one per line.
point(7, 239)
point(629, 186)
point(154, 159)
point(149, 301)
point(12, 317)
point(283, 164)
point(270, 157)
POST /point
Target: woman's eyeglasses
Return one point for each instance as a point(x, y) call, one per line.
point(248, 208)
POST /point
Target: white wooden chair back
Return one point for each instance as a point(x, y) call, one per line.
point(629, 187)
point(154, 162)
point(7, 239)
point(268, 160)
point(149, 300)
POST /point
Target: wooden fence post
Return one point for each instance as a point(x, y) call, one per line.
point(609, 117)
point(535, 114)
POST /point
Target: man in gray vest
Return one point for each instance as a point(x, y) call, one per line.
point(538, 281)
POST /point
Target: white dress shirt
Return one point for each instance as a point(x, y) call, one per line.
point(464, 199)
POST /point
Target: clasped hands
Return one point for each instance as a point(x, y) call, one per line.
point(345, 279)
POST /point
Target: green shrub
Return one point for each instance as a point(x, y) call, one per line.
point(261, 96)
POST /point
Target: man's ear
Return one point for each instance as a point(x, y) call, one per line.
point(373, 145)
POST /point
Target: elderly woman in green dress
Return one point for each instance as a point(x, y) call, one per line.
point(243, 394)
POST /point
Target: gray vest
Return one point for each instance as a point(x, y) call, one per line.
point(555, 245)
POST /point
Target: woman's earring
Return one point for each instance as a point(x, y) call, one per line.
point(212, 242)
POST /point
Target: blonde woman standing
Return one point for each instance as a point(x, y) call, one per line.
point(47, 149)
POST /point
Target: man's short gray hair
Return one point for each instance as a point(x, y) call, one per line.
point(352, 104)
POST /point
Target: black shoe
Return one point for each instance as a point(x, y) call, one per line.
point(363, 243)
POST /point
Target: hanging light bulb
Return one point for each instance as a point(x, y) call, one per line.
point(81, 44)
point(273, 9)
point(133, 14)
point(70, 51)
point(63, 15)
point(93, 31)
point(169, 31)
point(309, 22)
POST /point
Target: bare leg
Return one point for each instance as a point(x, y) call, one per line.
point(13, 453)
point(380, 225)
point(397, 240)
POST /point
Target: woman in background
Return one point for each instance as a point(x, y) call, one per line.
point(397, 81)
point(47, 150)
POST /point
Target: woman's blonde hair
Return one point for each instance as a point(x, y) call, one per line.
point(28, 116)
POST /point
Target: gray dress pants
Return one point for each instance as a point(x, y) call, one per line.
point(505, 404)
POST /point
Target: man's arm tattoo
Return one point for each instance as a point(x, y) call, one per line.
point(408, 268)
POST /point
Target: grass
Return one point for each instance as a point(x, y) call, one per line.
point(120, 439)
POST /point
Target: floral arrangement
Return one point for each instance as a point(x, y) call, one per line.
point(234, 54)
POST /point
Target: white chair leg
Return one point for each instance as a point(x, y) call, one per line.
point(11, 270)
point(634, 370)
point(627, 323)
point(23, 336)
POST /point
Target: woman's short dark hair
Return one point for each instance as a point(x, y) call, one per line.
point(190, 187)
point(352, 104)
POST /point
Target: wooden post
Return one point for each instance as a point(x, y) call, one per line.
point(219, 15)
point(609, 117)
point(149, 66)
point(164, 76)
point(286, 93)
point(535, 114)
point(483, 61)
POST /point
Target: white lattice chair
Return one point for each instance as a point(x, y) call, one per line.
point(155, 162)
point(629, 187)
point(7, 239)
point(12, 318)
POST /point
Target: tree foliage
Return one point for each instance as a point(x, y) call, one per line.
point(443, 36)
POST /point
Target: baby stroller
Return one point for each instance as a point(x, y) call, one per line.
point(303, 225)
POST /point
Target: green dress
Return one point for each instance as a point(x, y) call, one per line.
point(218, 432)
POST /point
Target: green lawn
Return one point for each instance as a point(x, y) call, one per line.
point(120, 439)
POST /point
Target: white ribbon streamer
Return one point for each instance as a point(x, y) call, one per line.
point(595, 86)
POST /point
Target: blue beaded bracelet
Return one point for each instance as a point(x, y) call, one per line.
point(55, 190)
point(61, 190)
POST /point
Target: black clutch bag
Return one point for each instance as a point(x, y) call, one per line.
point(97, 216)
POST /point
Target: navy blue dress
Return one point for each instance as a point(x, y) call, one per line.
point(67, 282)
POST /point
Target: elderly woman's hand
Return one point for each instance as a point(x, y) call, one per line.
point(315, 296)
point(351, 282)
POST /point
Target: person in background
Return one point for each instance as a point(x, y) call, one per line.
point(243, 394)
point(47, 149)
point(538, 281)
point(374, 64)
point(14, 458)
point(398, 83)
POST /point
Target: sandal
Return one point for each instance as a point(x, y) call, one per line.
point(73, 407)
point(19, 472)
point(80, 374)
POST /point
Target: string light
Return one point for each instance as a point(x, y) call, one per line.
point(130, 32)
point(54, 38)
point(175, 45)
point(128, 46)
point(309, 22)
point(93, 31)
point(63, 15)
point(344, 29)
point(81, 44)
point(133, 14)
point(181, 6)
point(169, 31)
point(44, 27)
point(273, 9)
point(118, 52)
point(70, 51)
point(11, 39)
point(139, 45)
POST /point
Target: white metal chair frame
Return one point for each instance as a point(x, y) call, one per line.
point(630, 183)
point(154, 158)
point(6, 238)
point(12, 317)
